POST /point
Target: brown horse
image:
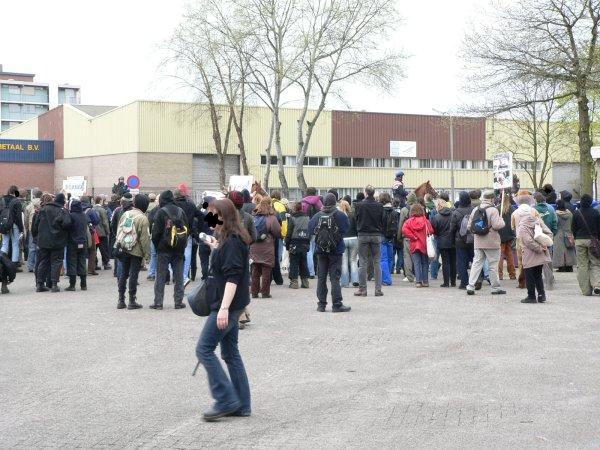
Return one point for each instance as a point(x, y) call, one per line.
point(425, 188)
point(257, 189)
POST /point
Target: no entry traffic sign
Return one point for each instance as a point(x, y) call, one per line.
point(133, 181)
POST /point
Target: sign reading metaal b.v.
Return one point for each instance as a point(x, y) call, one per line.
point(26, 151)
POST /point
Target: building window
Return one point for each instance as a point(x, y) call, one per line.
point(425, 164)
point(263, 160)
point(358, 162)
point(342, 162)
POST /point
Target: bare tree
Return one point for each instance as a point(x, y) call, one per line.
point(343, 43)
point(536, 132)
point(274, 51)
point(539, 41)
point(210, 63)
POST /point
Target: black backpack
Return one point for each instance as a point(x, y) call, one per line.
point(327, 233)
point(6, 217)
point(480, 223)
point(176, 232)
point(391, 224)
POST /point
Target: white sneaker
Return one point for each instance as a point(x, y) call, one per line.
point(405, 279)
point(186, 282)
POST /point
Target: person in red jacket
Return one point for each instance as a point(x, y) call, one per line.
point(416, 229)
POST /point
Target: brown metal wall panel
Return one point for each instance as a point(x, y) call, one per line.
point(51, 127)
point(368, 135)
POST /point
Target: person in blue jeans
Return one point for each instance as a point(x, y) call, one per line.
point(11, 239)
point(463, 238)
point(389, 229)
point(229, 282)
point(416, 229)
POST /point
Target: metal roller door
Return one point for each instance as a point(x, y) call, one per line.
point(205, 171)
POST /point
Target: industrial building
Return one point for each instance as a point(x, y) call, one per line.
point(167, 143)
point(22, 98)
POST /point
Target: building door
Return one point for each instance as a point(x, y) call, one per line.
point(565, 176)
point(205, 172)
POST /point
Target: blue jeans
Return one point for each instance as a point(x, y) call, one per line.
point(187, 259)
point(435, 263)
point(152, 263)
point(309, 258)
point(32, 256)
point(387, 261)
point(420, 267)
point(226, 393)
point(463, 257)
point(350, 262)
point(12, 239)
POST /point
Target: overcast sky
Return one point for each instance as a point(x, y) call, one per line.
point(110, 49)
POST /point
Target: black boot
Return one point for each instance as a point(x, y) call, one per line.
point(41, 288)
point(72, 281)
point(121, 304)
point(4, 289)
point(133, 304)
point(54, 287)
point(84, 283)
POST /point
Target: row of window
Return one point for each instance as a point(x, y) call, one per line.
point(405, 163)
point(14, 93)
point(14, 111)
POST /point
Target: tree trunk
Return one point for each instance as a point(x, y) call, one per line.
point(268, 153)
point(586, 162)
point(282, 180)
point(222, 181)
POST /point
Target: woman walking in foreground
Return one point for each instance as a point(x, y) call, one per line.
point(229, 285)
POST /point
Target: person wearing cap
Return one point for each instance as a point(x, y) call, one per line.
point(487, 246)
point(330, 263)
point(152, 202)
point(131, 260)
point(51, 230)
point(398, 190)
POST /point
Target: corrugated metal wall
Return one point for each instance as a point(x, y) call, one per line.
point(51, 127)
point(115, 132)
point(368, 135)
point(25, 130)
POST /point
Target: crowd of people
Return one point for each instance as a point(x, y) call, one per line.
point(242, 239)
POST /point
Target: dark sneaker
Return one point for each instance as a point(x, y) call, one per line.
point(254, 295)
point(541, 299)
point(266, 296)
point(70, 288)
point(342, 308)
point(4, 289)
point(477, 286)
point(596, 291)
point(121, 305)
point(378, 294)
point(499, 292)
point(462, 288)
point(470, 292)
point(355, 284)
point(241, 413)
point(150, 278)
point(444, 285)
point(155, 307)
point(360, 293)
point(215, 414)
point(134, 305)
point(321, 308)
point(529, 300)
point(180, 306)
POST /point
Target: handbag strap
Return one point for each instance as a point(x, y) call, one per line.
point(585, 224)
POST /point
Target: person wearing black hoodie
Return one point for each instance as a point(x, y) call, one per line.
point(52, 230)
point(12, 202)
point(463, 238)
point(192, 214)
point(442, 226)
point(550, 194)
point(586, 224)
point(77, 246)
point(164, 254)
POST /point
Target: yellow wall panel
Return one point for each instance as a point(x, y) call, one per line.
point(25, 130)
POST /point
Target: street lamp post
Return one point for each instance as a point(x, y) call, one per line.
point(452, 158)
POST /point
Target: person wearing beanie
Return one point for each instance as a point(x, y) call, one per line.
point(133, 246)
point(77, 246)
point(486, 243)
point(329, 227)
point(52, 231)
point(586, 225)
point(169, 215)
point(567, 197)
point(463, 238)
point(12, 235)
point(369, 226)
point(126, 203)
point(563, 253)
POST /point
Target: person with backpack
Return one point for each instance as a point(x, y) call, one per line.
point(463, 238)
point(8, 273)
point(94, 221)
point(369, 225)
point(311, 204)
point(329, 226)
point(262, 251)
point(297, 243)
point(391, 219)
point(170, 236)
point(77, 247)
point(485, 222)
point(126, 203)
point(409, 275)
point(52, 231)
point(442, 226)
point(11, 225)
point(133, 245)
point(350, 257)
point(586, 231)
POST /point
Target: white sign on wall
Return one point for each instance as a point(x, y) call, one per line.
point(503, 170)
point(403, 149)
point(76, 186)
